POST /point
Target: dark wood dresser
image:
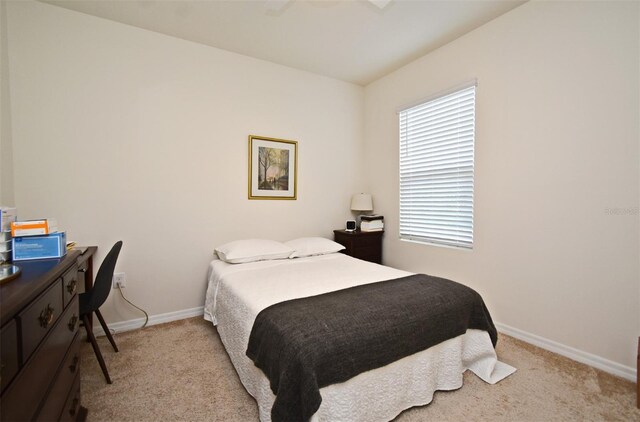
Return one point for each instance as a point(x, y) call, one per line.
point(40, 344)
point(361, 245)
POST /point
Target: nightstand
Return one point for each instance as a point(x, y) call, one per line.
point(361, 245)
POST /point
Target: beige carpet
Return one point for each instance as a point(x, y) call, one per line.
point(180, 371)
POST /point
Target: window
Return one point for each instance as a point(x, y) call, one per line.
point(436, 169)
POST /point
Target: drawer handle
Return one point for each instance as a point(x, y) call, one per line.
point(46, 316)
point(82, 270)
point(72, 323)
point(74, 405)
point(71, 287)
point(74, 364)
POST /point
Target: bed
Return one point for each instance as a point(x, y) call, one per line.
point(237, 293)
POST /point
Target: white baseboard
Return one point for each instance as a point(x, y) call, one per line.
point(606, 365)
point(598, 362)
point(133, 324)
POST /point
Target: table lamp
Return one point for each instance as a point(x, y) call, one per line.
point(361, 202)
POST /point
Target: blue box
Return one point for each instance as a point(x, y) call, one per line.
point(53, 245)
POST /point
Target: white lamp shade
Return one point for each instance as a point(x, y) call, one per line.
point(361, 202)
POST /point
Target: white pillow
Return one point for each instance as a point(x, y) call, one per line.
point(309, 246)
point(250, 250)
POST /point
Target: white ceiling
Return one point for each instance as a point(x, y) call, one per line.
point(352, 40)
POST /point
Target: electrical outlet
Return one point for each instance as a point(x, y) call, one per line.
point(119, 280)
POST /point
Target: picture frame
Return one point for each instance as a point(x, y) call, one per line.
point(273, 168)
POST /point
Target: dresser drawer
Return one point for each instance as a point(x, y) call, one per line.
point(71, 408)
point(9, 353)
point(370, 253)
point(70, 284)
point(361, 245)
point(31, 385)
point(83, 267)
point(365, 250)
point(57, 397)
point(39, 317)
point(375, 258)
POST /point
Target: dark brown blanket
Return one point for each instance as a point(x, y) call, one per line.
point(305, 344)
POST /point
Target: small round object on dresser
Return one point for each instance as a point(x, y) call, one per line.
point(8, 272)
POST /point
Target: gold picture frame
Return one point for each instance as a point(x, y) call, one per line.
point(273, 168)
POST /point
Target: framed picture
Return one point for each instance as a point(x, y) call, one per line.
point(273, 168)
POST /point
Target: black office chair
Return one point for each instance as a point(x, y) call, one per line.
point(92, 300)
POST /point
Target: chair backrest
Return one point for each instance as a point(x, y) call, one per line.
point(102, 284)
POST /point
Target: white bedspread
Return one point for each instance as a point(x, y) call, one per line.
point(238, 292)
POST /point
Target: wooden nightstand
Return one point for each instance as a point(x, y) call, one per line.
point(361, 245)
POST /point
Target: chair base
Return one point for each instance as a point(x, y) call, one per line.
point(94, 343)
point(106, 330)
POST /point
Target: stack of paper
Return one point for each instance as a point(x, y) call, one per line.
point(371, 223)
point(7, 216)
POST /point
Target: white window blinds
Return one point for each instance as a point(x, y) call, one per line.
point(436, 169)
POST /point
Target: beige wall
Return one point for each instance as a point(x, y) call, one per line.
point(557, 129)
point(6, 146)
point(122, 133)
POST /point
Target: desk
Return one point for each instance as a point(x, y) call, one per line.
point(40, 347)
point(85, 265)
point(85, 269)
